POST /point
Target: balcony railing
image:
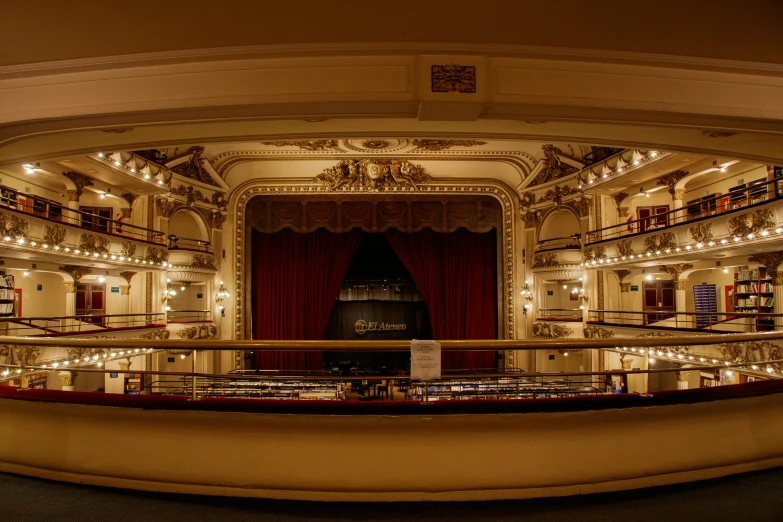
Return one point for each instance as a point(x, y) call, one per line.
point(736, 322)
point(186, 243)
point(74, 324)
point(736, 199)
point(559, 243)
point(560, 314)
point(189, 316)
point(56, 212)
point(599, 154)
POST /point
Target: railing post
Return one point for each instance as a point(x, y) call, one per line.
point(193, 381)
point(23, 363)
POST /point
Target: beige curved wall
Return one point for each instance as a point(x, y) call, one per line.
point(385, 458)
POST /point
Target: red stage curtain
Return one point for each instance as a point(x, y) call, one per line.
point(456, 275)
point(296, 279)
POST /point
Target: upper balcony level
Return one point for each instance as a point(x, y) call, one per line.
point(33, 225)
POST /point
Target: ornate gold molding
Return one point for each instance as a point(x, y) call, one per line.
point(191, 168)
point(125, 289)
point(621, 274)
point(772, 261)
point(80, 181)
point(556, 194)
point(373, 175)
point(752, 222)
point(202, 331)
point(670, 180)
point(94, 243)
point(545, 260)
point(158, 334)
point(594, 254)
point(701, 232)
point(618, 199)
point(76, 272)
point(130, 198)
point(625, 247)
point(54, 235)
point(311, 145)
point(504, 195)
point(156, 255)
point(660, 242)
point(128, 249)
point(596, 332)
point(165, 206)
point(70, 288)
point(128, 276)
point(432, 145)
point(554, 168)
point(676, 270)
point(191, 194)
point(547, 330)
point(13, 226)
point(203, 262)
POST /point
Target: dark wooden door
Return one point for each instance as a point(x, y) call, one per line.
point(91, 300)
point(96, 218)
point(658, 296)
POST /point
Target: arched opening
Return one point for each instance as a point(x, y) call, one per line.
point(560, 229)
point(188, 232)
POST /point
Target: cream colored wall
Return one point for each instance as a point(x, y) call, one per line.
point(716, 277)
point(188, 299)
point(47, 302)
point(560, 297)
point(713, 183)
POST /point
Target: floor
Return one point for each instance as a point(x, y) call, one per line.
point(752, 496)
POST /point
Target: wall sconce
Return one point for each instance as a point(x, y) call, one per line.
point(221, 294)
point(583, 297)
point(528, 295)
point(166, 297)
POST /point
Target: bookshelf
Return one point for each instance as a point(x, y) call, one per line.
point(753, 294)
point(6, 295)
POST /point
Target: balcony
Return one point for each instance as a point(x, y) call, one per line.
point(34, 224)
point(744, 217)
point(190, 260)
point(81, 325)
point(694, 322)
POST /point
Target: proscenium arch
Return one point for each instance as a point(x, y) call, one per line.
point(506, 274)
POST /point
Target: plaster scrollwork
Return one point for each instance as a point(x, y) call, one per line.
point(753, 352)
point(556, 195)
point(618, 199)
point(546, 330)
point(660, 242)
point(433, 145)
point(670, 180)
point(772, 262)
point(373, 175)
point(156, 335)
point(595, 332)
point(76, 272)
point(751, 222)
point(594, 254)
point(94, 243)
point(202, 331)
point(701, 232)
point(128, 276)
point(621, 274)
point(128, 249)
point(54, 235)
point(13, 226)
point(532, 219)
point(676, 270)
point(580, 206)
point(80, 181)
point(625, 247)
point(548, 260)
point(310, 145)
point(203, 262)
point(156, 255)
point(527, 200)
point(165, 206)
point(191, 195)
point(554, 167)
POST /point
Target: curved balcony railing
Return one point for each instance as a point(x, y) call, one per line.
point(189, 316)
point(75, 324)
point(692, 211)
point(560, 314)
point(599, 154)
point(56, 212)
point(701, 321)
point(185, 243)
point(559, 243)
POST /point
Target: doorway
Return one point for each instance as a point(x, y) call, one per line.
point(658, 296)
point(91, 300)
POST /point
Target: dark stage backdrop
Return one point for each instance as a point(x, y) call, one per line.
point(457, 275)
point(296, 279)
point(372, 317)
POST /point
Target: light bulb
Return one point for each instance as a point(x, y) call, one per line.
point(182, 356)
point(182, 288)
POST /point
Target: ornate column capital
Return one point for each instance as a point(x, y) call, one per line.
point(679, 194)
point(625, 287)
point(70, 288)
point(771, 260)
point(67, 378)
point(73, 195)
point(80, 181)
point(76, 272)
point(125, 365)
point(676, 270)
point(683, 376)
point(125, 289)
point(670, 180)
point(680, 284)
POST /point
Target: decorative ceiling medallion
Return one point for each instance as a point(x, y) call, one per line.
point(311, 145)
point(373, 175)
point(444, 144)
point(382, 145)
point(454, 78)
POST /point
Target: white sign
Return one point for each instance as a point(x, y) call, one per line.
point(425, 360)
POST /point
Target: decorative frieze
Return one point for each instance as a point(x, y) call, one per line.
point(554, 167)
point(76, 272)
point(80, 181)
point(594, 254)
point(596, 332)
point(159, 334)
point(310, 145)
point(202, 331)
point(434, 145)
point(664, 242)
point(94, 243)
point(752, 223)
point(547, 330)
point(556, 194)
point(373, 175)
point(13, 226)
point(625, 247)
point(165, 206)
point(676, 270)
point(156, 255)
point(454, 78)
point(128, 249)
point(701, 232)
point(203, 262)
point(547, 260)
point(54, 235)
point(191, 194)
point(670, 180)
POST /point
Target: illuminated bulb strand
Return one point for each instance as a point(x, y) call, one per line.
point(76, 252)
point(60, 364)
point(638, 159)
point(656, 353)
point(687, 248)
point(107, 158)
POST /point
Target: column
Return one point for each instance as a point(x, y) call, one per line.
point(70, 305)
point(680, 306)
point(677, 198)
point(682, 380)
point(68, 379)
point(777, 289)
